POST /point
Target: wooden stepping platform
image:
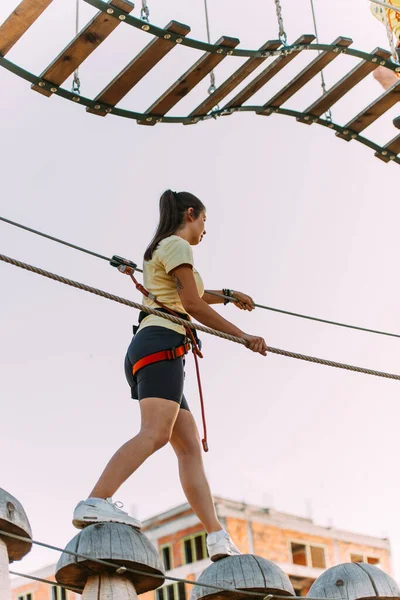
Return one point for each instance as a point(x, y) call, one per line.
point(113, 13)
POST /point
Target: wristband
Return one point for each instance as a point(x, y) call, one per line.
point(226, 292)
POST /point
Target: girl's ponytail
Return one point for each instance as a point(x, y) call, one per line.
point(173, 206)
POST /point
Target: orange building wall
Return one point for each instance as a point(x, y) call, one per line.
point(175, 540)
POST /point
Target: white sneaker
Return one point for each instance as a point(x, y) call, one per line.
point(220, 545)
point(98, 510)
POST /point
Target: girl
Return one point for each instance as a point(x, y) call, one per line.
point(170, 275)
point(387, 77)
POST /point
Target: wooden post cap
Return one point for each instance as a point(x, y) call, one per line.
point(120, 544)
point(354, 581)
point(13, 519)
point(242, 572)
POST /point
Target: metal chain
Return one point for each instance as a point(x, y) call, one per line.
point(145, 12)
point(282, 32)
point(220, 334)
point(328, 113)
point(76, 83)
point(213, 85)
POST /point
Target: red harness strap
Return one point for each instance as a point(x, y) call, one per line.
point(129, 270)
point(159, 356)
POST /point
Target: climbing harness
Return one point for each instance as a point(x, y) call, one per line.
point(150, 359)
point(390, 35)
point(128, 267)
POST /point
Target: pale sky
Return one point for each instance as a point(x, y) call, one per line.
point(297, 218)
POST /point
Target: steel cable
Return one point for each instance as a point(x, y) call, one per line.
point(229, 298)
point(121, 570)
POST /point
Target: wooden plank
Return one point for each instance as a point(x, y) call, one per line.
point(371, 112)
point(315, 67)
point(267, 74)
point(19, 22)
point(392, 148)
point(343, 86)
point(87, 40)
point(234, 80)
point(189, 80)
point(138, 67)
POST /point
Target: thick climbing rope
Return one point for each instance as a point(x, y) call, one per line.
point(229, 298)
point(328, 113)
point(120, 570)
point(220, 334)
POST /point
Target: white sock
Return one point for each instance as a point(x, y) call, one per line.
point(94, 500)
point(218, 533)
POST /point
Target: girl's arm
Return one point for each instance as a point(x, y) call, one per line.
point(199, 309)
point(211, 299)
point(244, 302)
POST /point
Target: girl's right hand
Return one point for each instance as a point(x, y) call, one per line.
point(255, 343)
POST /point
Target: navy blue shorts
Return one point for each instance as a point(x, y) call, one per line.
point(163, 379)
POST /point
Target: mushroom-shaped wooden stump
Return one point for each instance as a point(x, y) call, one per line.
point(12, 520)
point(242, 572)
point(116, 543)
point(354, 581)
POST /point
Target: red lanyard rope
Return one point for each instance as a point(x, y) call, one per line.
point(195, 348)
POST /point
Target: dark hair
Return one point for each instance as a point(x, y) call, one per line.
point(173, 206)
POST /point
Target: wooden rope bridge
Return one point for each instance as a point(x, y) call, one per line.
point(114, 12)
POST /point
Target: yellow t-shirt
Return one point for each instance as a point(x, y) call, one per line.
point(170, 253)
point(392, 16)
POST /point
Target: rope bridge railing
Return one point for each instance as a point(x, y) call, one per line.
point(192, 325)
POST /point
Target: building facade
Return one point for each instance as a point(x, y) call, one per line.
point(296, 544)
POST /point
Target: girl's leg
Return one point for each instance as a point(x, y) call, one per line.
point(158, 418)
point(185, 441)
point(386, 77)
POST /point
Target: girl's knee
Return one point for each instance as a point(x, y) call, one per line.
point(158, 439)
point(190, 448)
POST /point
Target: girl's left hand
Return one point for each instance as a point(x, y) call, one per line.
point(244, 302)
